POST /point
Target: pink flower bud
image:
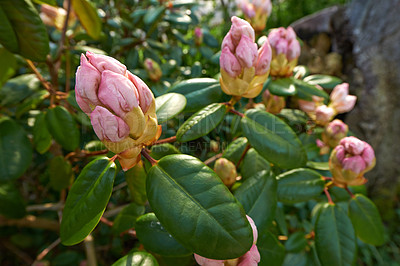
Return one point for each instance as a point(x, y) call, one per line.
point(226, 170)
point(341, 101)
point(108, 126)
point(103, 62)
point(353, 145)
point(324, 114)
point(153, 69)
point(282, 46)
point(82, 104)
point(368, 155)
point(264, 59)
point(229, 63)
point(246, 52)
point(294, 50)
point(248, 9)
point(275, 35)
point(87, 82)
point(239, 28)
point(334, 132)
point(290, 34)
point(355, 164)
point(198, 36)
point(273, 104)
point(118, 93)
point(146, 97)
point(251, 258)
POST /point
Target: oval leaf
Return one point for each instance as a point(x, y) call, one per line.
point(126, 219)
point(197, 209)
point(155, 238)
point(299, 185)
point(138, 258)
point(335, 239)
point(273, 139)
point(87, 14)
point(87, 200)
point(296, 242)
point(7, 35)
point(15, 150)
point(60, 172)
point(62, 127)
point(202, 122)
point(325, 81)
point(235, 150)
point(282, 87)
point(136, 180)
point(366, 220)
point(33, 41)
point(258, 197)
point(169, 105)
point(271, 250)
point(305, 90)
point(253, 163)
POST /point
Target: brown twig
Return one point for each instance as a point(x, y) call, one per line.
point(44, 82)
point(146, 155)
point(212, 159)
point(45, 251)
point(31, 222)
point(106, 221)
point(233, 111)
point(328, 196)
point(243, 155)
point(46, 207)
point(167, 140)
point(64, 32)
point(349, 191)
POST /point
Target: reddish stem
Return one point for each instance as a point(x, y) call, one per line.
point(328, 196)
point(106, 221)
point(243, 155)
point(348, 191)
point(212, 159)
point(146, 155)
point(233, 111)
point(167, 140)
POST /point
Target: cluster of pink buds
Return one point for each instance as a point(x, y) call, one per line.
point(256, 12)
point(244, 69)
point(273, 103)
point(333, 133)
point(285, 51)
point(350, 160)
point(340, 102)
point(120, 105)
point(251, 258)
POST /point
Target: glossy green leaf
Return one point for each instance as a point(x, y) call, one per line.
point(136, 180)
point(11, 202)
point(126, 219)
point(87, 200)
point(88, 16)
point(153, 14)
point(178, 19)
point(60, 172)
point(199, 92)
point(8, 38)
point(305, 90)
point(182, 3)
point(169, 105)
point(49, 2)
point(202, 122)
point(296, 242)
point(298, 259)
point(272, 252)
point(17, 89)
point(281, 219)
point(41, 135)
point(31, 34)
point(335, 239)
point(210, 40)
point(296, 119)
point(235, 149)
point(138, 258)
point(282, 87)
point(300, 72)
point(325, 81)
point(197, 209)
point(15, 150)
point(62, 127)
point(273, 139)
point(258, 196)
point(31, 102)
point(253, 163)
point(299, 185)
point(318, 165)
point(156, 238)
point(366, 220)
point(161, 150)
point(8, 63)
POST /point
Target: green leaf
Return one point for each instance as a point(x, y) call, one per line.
point(126, 219)
point(325, 81)
point(178, 19)
point(257, 194)
point(210, 40)
point(87, 200)
point(8, 63)
point(273, 139)
point(202, 122)
point(335, 239)
point(182, 3)
point(153, 14)
point(299, 185)
point(197, 209)
point(17, 89)
point(305, 90)
point(49, 2)
point(169, 105)
point(60, 172)
point(235, 150)
point(41, 136)
point(281, 220)
point(87, 14)
point(318, 165)
point(161, 150)
point(62, 127)
point(366, 220)
point(11, 203)
point(30, 32)
point(282, 87)
point(272, 252)
point(298, 259)
point(31, 102)
point(296, 242)
point(296, 119)
point(199, 92)
point(156, 238)
point(253, 163)
point(138, 258)
point(136, 180)
point(15, 150)
point(300, 71)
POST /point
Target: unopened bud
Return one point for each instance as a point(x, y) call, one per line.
point(324, 114)
point(256, 12)
point(341, 101)
point(334, 132)
point(153, 69)
point(273, 104)
point(226, 170)
point(198, 36)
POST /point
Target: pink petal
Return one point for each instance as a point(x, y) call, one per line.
point(356, 164)
point(108, 126)
point(145, 95)
point(264, 59)
point(229, 63)
point(246, 52)
point(103, 62)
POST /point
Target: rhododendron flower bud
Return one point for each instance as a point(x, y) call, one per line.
point(334, 132)
point(226, 170)
point(285, 51)
point(273, 104)
point(324, 114)
point(55, 16)
point(256, 12)
point(120, 105)
point(198, 36)
point(244, 69)
point(250, 258)
point(153, 69)
point(341, 101)
point(350, 160)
